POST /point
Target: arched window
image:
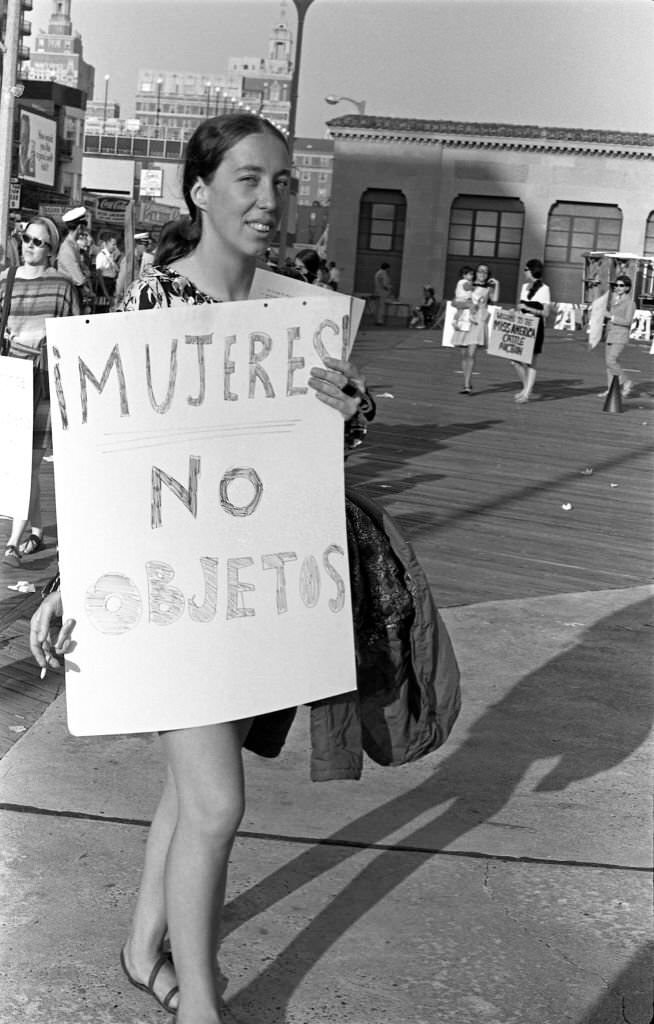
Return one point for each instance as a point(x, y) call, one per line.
point(382, 221)
point(485, 229)
point(572, 230)
point(648, 248)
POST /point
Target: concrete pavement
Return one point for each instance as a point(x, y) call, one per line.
point(504, 879)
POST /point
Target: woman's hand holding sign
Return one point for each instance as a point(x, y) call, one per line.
point(339, 384)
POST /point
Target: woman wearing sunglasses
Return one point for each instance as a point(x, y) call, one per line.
point(38, 292)
point(619, 315)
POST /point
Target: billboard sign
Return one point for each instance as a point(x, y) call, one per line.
point(151, 182)
point(36, 148)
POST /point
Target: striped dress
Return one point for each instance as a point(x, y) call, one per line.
point(33, 300)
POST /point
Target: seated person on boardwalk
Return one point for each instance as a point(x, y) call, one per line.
point(424, 316)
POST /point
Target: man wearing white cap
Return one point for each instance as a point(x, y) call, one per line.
point(69, 260)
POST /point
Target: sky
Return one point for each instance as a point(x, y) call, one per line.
point(563, 63)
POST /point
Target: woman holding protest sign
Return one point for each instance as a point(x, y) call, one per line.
point(535, 299)
point(235, 184)
point(36, 292)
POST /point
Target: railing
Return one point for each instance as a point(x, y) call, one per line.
point(133, 146)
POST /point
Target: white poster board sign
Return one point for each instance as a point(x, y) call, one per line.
point(200, 508)
point(269, 285)
point(598, 310)
point(513, 336)
point(16, 420)
point(448, 340)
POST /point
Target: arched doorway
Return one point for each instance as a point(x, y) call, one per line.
point(486, 229)
point(380, 238)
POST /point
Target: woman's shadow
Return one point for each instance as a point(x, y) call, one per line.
point(589, 708)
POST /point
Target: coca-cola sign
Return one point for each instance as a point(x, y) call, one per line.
point(111, 205)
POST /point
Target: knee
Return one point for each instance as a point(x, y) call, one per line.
point(215, 817)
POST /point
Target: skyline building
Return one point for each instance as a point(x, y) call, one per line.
point(57, 55)
point(171, 103)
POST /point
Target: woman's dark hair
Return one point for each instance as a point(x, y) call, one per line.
point(466, 270)
point(311, 261)
point(625, 280)
point(205, 152)
point(535, 268)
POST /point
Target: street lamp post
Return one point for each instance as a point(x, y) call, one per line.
point(8, 93)
point(301, 6)
point(359, 104)
point(158, 110)
point(215, 102)
point(106, 100)
point(208, 110)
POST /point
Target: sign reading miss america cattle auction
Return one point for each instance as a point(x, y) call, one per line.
point(513, 336)
point(200, 508)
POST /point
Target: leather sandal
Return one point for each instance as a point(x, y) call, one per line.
point(161, 961)
point(33, 544)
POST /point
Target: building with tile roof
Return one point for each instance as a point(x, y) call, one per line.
point(428, 196)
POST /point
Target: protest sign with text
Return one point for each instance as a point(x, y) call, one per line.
point(16, 418)
point(513, 336)
point(454, 338)
point(269, 285)
point(200, 508)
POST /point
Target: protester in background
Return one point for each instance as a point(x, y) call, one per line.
point(235, 185)
point(619, 316)
point(14, 244)
point(383, 292)
point(38, 292)
point(106, 271)
point(535, 299)
point(69, 260)
point(471, 327)
point(425, 315)
point(147, 249)
point(307, 264)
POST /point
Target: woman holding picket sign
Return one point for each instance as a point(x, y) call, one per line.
point(235, 184)
point(535, 299)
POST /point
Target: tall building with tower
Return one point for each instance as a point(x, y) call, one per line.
point(57, 55)
point(170, 104)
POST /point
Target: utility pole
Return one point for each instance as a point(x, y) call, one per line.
point(301, 6)
point(7, 102)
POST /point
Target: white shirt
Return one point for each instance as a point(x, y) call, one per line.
point(106, 264)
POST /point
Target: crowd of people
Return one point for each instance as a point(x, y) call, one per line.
point(97, 266)
point(477, 291)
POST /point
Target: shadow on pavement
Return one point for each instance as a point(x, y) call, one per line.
point(580, 708)
point(628, 1000)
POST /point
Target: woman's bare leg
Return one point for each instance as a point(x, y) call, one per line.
point(522, 374)
point(207, 767)
point(144, 943)
point(467, 365)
